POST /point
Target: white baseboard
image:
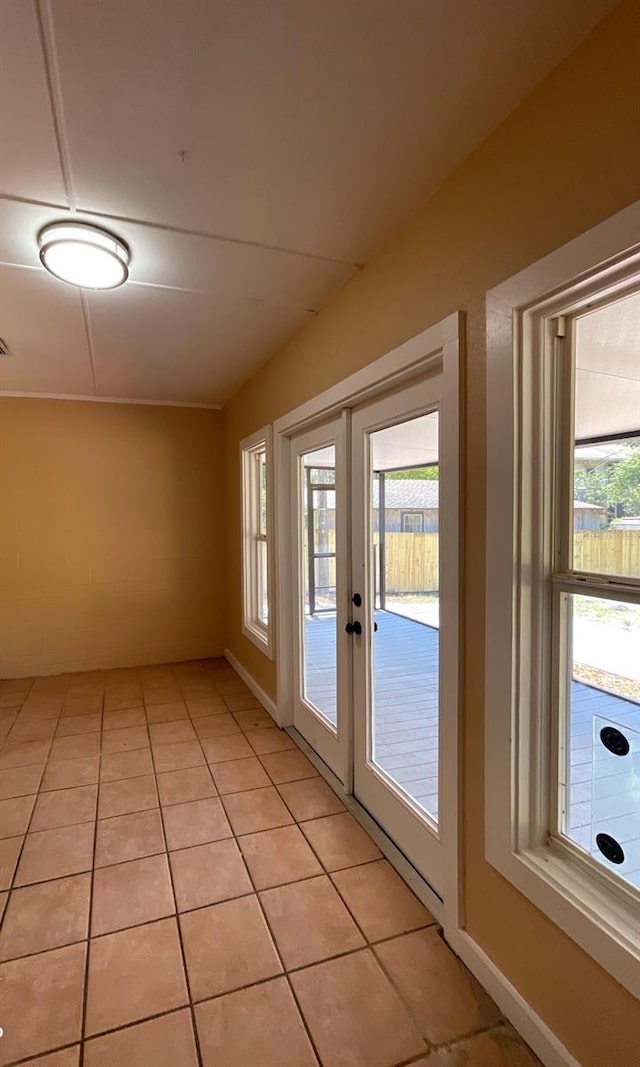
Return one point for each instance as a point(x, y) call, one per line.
point(546, 1045)
point(512, 1005)
point(266, 701)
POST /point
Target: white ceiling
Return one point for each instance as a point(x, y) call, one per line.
point(253, 154)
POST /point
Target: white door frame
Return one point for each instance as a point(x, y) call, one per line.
point(437, 350)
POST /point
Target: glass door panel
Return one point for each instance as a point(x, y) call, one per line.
point(404, 701)
point(321, 669)
point(318, 528)
point(396, 474)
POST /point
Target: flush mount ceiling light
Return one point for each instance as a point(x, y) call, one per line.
point(84, 255)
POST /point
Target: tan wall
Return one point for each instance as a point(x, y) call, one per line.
point(109, 535)
point(566, 159)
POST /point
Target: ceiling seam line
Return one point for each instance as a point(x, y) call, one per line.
point(89, 336)
point(202, 234)
point(54, 90)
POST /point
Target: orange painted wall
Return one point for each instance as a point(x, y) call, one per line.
point(110, 551)
point(566, 159)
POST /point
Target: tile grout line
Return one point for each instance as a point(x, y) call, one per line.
point(85, 991)
point(196, 1036)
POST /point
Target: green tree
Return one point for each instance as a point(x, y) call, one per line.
point(624, 487)
point(423, 474)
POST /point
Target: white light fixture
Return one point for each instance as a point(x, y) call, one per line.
point(84, 255)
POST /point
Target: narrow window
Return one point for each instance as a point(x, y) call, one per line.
point(256, 541)
point(596, 584)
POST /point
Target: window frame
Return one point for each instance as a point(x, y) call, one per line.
point(525, 467)
point(420, 515)
point(253, 627)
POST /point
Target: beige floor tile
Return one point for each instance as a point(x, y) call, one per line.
point(125, 739)
point(209, 705)
point(51, 854)
point(195, 822)
point(216, 726)
point(309, 922)
point(78, 707)
point(260, 1025)
point(64, 807)
point(178, 756)
point(438, 988)
point(288, 766)
point(497, 1049)
point(354, 1014)
point(340, 842)
point(164, 1042)
point(257, 809)
point(131, 893)
point(169, 733)
point(269, 739)
point(253, 718)
point(9, 854)
point(208, 874)
point(120, 720)
point(229, 747)
point(23, 754)
point(227, 946)
point(128, 837)
point(126, 765)
point(193, 783)
point(79, 724)
point(76, 747)
point(20, 781)
point(45, 916)
point(14, 815)
point(171, 712)
point(380, 901)
point(29, 731)
point(275, 857)
point(236, 776)
point(241, 701)
point(310, 798)
point(72, 772)
point(121, 701)
point(67, 1057)
point(41, 1002)
point(134, 974)
point(126, 795)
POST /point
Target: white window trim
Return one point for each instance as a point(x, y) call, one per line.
point(580, 898)
point(253, 628)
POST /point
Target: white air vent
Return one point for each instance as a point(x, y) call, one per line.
point(4, 348)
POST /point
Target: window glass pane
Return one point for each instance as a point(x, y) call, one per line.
point(261, 459)
point(404, 574)
point(602, 784)
point(262, 582)
point(606, 478)
point(317, 521)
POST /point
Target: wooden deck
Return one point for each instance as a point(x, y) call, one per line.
point(604, 790)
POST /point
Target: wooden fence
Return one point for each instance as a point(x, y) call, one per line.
point(608, 551)
point(411, 559)
point(411, 562)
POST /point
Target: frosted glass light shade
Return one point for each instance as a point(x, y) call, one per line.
point(84, 255)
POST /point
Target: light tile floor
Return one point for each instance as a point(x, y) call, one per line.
point(180, 888)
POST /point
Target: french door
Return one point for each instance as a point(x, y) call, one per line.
point(373, 629)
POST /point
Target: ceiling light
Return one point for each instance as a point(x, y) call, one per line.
point(84, 255)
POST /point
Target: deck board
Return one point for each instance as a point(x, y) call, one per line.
point(602, 794)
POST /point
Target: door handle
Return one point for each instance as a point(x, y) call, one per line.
point(375, 627)
point(354, 628)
